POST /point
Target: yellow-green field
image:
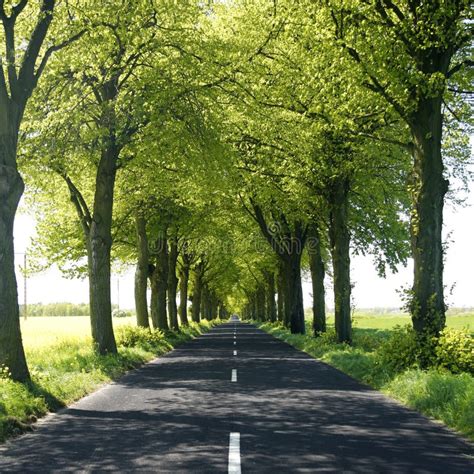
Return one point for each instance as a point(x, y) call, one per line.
point(388, 321)
point(365, 320)
point(47, 331)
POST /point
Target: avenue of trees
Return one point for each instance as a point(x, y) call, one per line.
point(223, 148)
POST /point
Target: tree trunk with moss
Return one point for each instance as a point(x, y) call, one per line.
point(340, 248)
point(428, 191)
point(270, 306)
point(318, 272)
point(141, 273)
point(183, 294)
point(197, 292)
point(12, 354)
point(173, 283)
point(280, 294)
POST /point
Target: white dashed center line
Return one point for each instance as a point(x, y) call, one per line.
point(235, 353)
point(234, 375)
point(234, 454)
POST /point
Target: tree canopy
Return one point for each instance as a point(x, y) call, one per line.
point(222, 148)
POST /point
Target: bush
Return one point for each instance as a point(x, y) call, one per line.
point(120, 313)
point(400, 351)
point(135, 336)
point(455, 351)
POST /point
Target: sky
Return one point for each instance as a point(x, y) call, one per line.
point(370, 291)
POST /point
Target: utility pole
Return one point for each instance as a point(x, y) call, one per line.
point(25, 279)
point(25, 283)
point(118, 294)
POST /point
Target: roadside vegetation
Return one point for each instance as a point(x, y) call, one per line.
point(66, 368)
point(388, 360)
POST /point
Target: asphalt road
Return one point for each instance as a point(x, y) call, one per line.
point(269, 408)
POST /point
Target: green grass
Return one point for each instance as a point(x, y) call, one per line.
point(388, 321)
point(64, 367)
point(435, 392)
point(374, 320)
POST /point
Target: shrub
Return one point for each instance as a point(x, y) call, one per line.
point(121, 313)
point(400, 351)
point(135, 336)
point(369, 339)
point(455, 351)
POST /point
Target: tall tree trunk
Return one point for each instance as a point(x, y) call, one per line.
point(260, 302)
point(318, 272)
point(197, 293)
point(12, 354)
point(162, 280)
point(183, 294)
point(429, 188)
point(340, 245)
point(153, 275)
point(203, 309)
point(141, 273)
point(251, 306)
point(294, 296)
point(99, 247)
point(222, 311)
point(270, 305)
point(214, 306)
point(281, 293)
point(173, 283)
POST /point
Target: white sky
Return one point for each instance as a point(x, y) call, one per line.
point(370, 291)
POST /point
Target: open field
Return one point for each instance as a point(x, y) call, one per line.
point(372, 320)
point(42, 331)
point(39, 332)
point(388, 321)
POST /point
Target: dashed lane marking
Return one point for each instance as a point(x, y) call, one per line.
point(234, 454)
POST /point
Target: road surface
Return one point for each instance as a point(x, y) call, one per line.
point(238, 400)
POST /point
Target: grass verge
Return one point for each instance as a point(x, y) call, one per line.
point(70, 369)
point(436, 392)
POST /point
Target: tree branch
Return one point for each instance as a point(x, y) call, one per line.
point(18, 8)
point(3, 85)
point(53, 49)
point(26, 76)
point(79, 203)
point(262, 223)
point(9, 29)
point(458, 67)
point(404, 145)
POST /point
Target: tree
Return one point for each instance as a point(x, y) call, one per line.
point(412, 54)
point(18, 79)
